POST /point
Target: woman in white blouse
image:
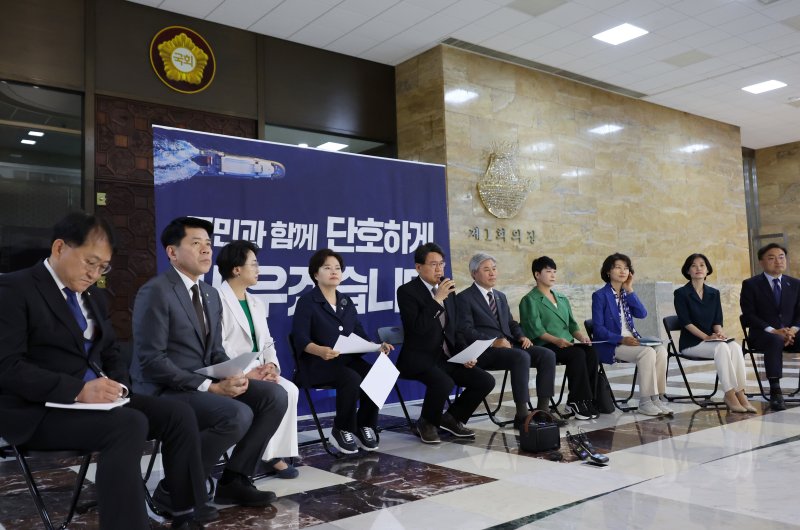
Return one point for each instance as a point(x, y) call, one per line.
point(244, 329)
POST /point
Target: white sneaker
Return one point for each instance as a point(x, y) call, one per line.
point(648, 408)
point(664, 407)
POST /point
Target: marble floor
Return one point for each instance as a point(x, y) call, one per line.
point(702, 468)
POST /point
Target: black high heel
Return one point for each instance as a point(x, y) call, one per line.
point(576, 447)
point(587, 445)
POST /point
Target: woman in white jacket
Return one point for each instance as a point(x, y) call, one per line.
point(244, 329)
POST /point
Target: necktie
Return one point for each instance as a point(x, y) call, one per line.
point(492, 303)
point(198, 309)
point(776, 290)
point(443, 322)
point(75, 309)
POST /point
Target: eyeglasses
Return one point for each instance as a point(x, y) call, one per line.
point(436, 264)
point(252, 264)
point(619, 268)
point(98, 268)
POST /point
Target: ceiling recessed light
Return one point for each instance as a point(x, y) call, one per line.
point(606, 129)
point(459, 95)
point(693, 148)
point(766, 86)
point(331, 146)
point(28, 142)
point(35, 133)
point(620, 34)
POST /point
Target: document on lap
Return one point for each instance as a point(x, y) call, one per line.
point(650, 341)
point(89, 406)
point(471, 352)
point(228, 368)
point(352, 343)
point(380, 380)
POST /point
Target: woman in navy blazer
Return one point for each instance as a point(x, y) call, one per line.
point(613, 309)
point(321, 316)
point(700, 314)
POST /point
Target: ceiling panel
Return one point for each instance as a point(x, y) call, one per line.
point(746, 42)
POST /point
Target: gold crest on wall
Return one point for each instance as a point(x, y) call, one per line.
point(182, 59)
point(503, 193)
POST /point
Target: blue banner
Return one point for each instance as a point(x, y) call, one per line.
point(292, 201)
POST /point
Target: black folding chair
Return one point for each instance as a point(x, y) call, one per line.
point(621, 404)
point(671, 324)
point(394, 336)
point(22, 455)
point(297, 379)
point(749, 350)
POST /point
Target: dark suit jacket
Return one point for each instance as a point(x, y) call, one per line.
point(759, 308)
point(316, 321)
point(42, 357)
point(476, 321)
point(704, 314)
point(167, 341)
point(605, 317)
point(422, 330)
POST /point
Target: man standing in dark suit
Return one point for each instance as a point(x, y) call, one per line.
point(177, 329)
point(770, 305)
point(483, 313)
point(57, 345)
point(428, 311)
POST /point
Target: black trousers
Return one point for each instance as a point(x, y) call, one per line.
point(515, 360)
point(580, 363)
point(119, 437)
point(439, 381)
point(345, 373)
point(771, 345)
point(247, 421)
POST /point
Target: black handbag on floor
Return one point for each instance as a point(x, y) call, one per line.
point(539, 433)
point(604, 398)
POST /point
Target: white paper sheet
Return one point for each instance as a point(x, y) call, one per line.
point(471, 352)
point(88, 406)
point(228, 368)
point(352, 343)
point(380, 379)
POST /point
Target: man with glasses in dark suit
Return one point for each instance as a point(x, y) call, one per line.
point(57, 345)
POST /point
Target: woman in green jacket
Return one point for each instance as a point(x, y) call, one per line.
point(547, 319)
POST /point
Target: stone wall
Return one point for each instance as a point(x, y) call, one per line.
point(640, 190)
point(778, 170)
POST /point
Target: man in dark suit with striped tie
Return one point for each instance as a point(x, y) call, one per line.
point(483, 313)
point(428, 311)
point(57, 345)
point(770, 305)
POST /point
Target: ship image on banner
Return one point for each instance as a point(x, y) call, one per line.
point(177, 160)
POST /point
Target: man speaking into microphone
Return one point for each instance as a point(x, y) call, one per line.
point(428, 312)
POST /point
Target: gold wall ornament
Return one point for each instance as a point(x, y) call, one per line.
point(500, 189)
point(182, 59)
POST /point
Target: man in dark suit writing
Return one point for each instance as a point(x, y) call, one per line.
point(177, 329)
point(770, 305)
point(483, 313)
point(57, 345)
point(428, 311)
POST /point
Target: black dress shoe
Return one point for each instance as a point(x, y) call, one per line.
point(427, 431)
point(776, 402)
point(455, 427)
point(241, 491)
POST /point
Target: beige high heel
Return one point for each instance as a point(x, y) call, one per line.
point(732, 402)
point(744, 403)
